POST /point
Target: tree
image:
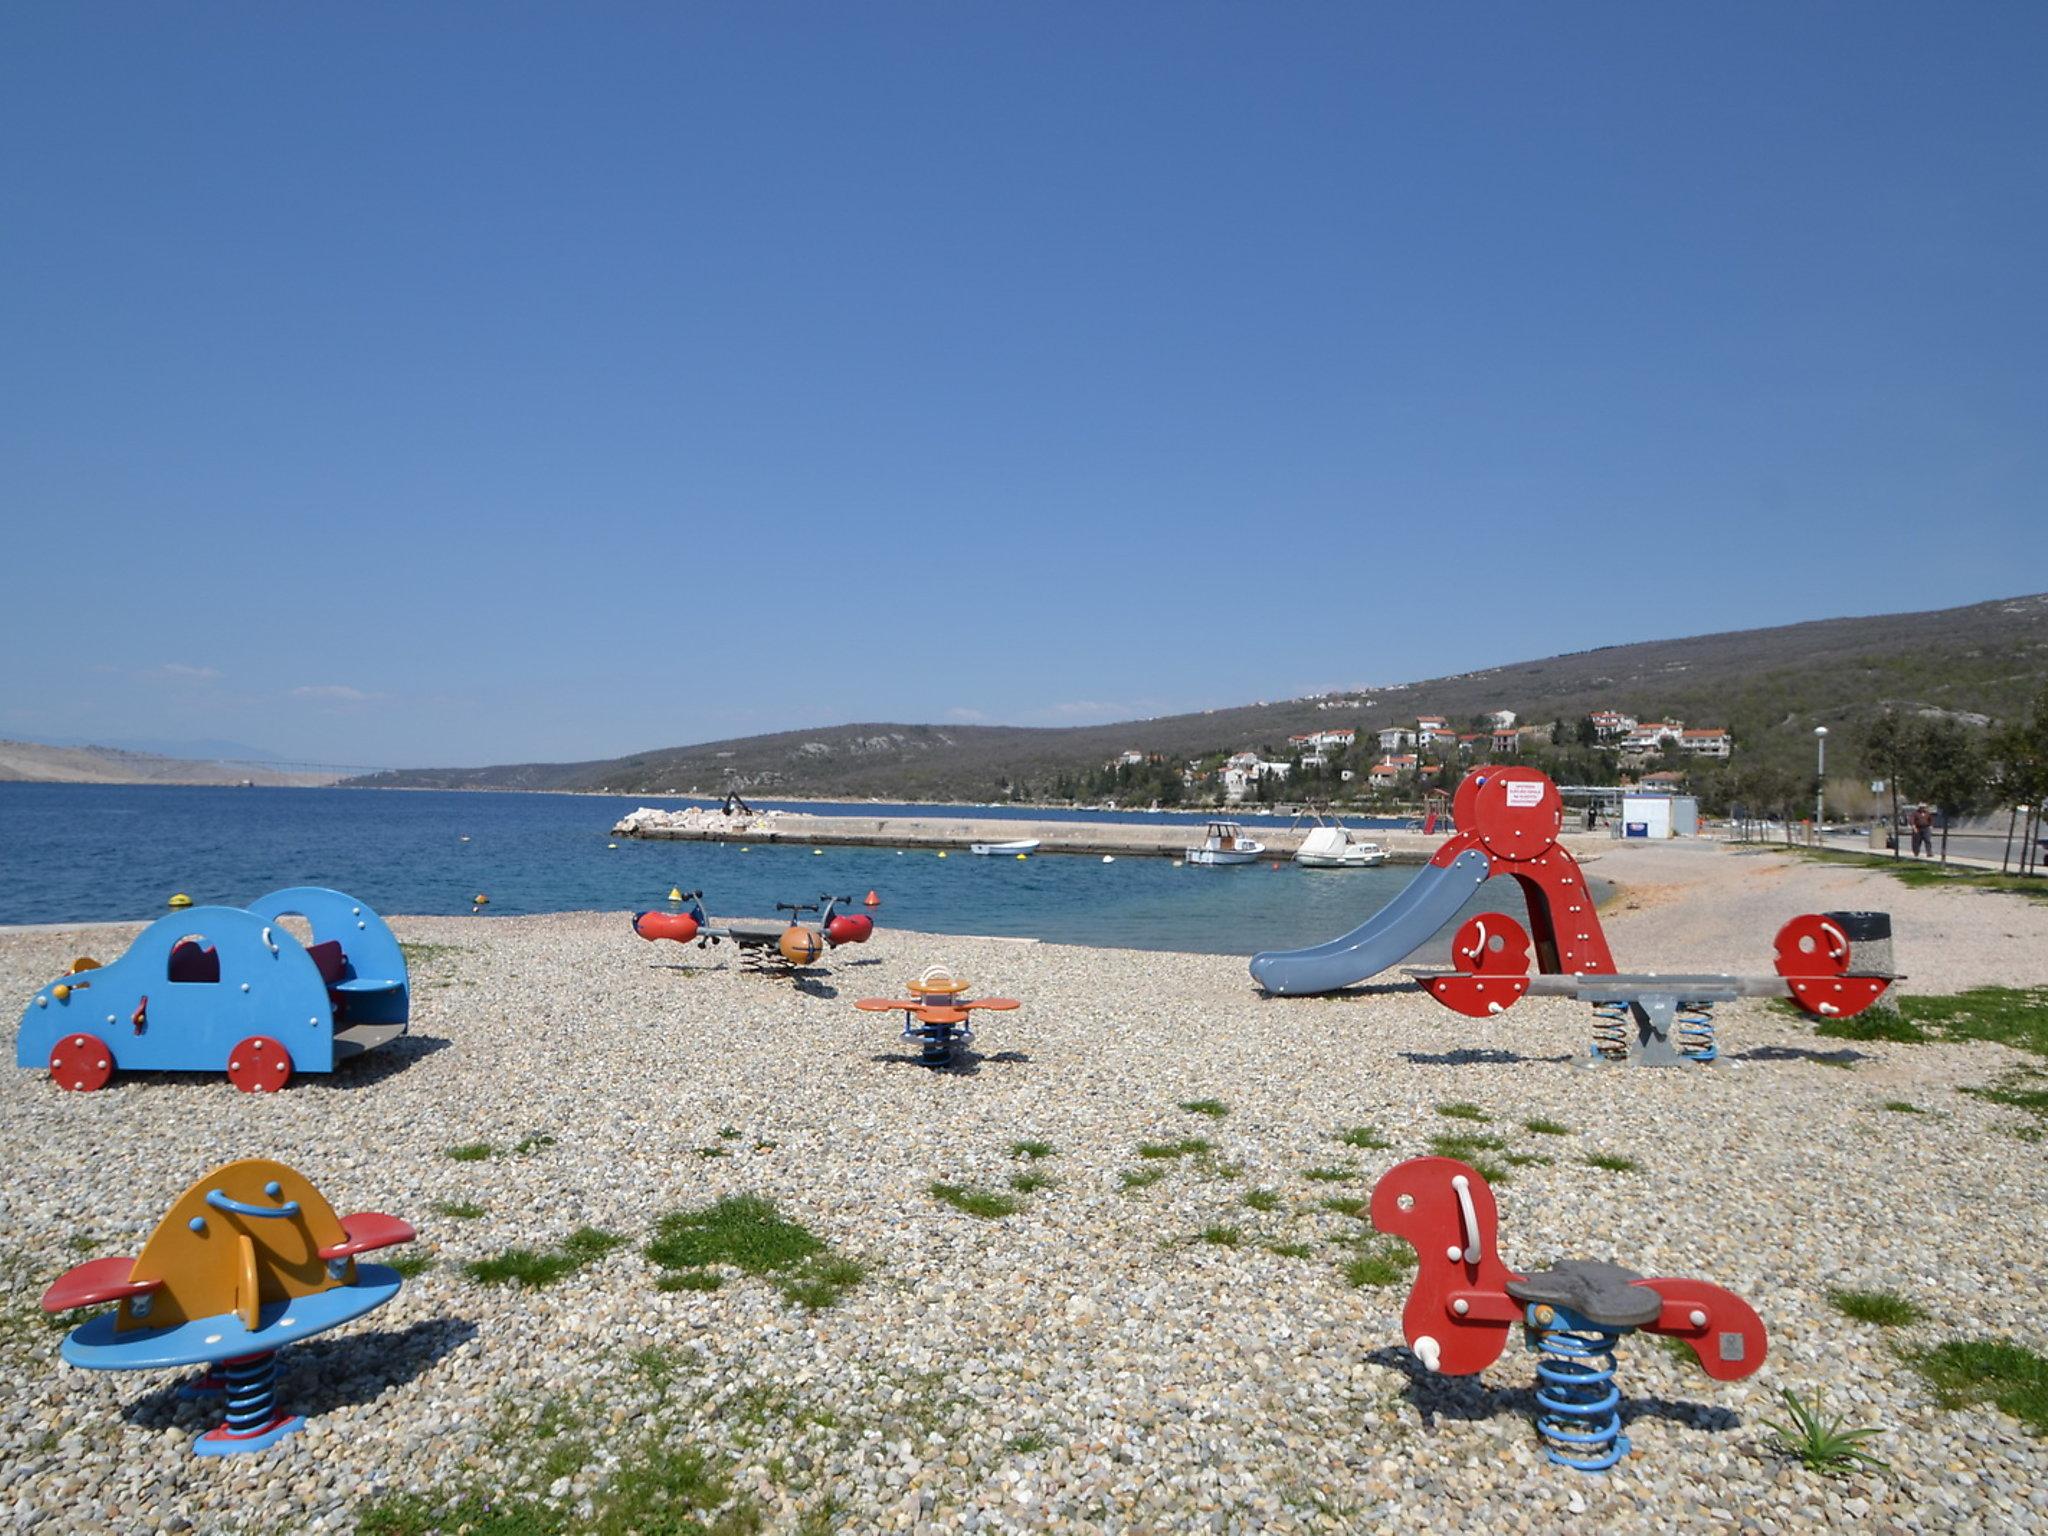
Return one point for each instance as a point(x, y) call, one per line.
point(2019, 758)
point(1886, 746)
point(1952, 771)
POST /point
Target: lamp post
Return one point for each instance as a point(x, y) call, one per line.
point(1820, 787)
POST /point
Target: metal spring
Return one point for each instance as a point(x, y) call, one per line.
point(252, 1393)
point(1613, 1024)
point(1695, 1030)
point(1578, 1405)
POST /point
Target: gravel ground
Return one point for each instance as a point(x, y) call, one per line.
point(1086, 1363)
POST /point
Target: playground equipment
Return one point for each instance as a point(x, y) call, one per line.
point(760, 941)
point(226, 988)
point(1660, 1020)
point(935, 1015)
point(1510, 819)
point(248, 1260)
point(1465, 1299)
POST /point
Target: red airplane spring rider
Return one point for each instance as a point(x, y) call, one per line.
point(1465, 1299)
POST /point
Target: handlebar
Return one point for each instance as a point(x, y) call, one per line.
point(219, 1200)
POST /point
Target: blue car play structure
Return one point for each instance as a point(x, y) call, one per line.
point(227, 989)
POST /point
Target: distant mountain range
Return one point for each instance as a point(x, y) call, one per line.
point(42, 762)
point(1769, 686)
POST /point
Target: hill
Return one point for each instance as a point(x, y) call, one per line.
point(36, 762)
point(1769, 686)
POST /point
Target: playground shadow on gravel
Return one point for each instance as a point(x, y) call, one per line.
point(1845, 1057)
point(333, 1371)
point(963, 1064)
point(1480, 1056)
point(1468, 1399)
point(386, 1061)
point(1359, 994)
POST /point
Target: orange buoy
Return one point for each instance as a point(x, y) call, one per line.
point(872, 900)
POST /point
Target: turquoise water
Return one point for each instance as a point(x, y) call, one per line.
point(86, 852)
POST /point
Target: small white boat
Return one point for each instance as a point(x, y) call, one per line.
point(1327, 847)
point(1000, 850)
point(1225, 844)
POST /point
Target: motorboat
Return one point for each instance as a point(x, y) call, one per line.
point(1022, 845)
point(1225, 844)
point(1328, 847)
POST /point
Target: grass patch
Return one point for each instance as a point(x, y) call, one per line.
point(1141, 1178)
point(819, 1283)
point(1365, 1138)
point(532, 1268)
point(527, 1145)
point(1385, 1263)
point(1215, 1109)
point(1460, 1110)
point(728, 1133)
point(1030, 1151)
point(1291, 1250)
point(1901, 1107)
point(1887, 1309)
point(1820, 1443)
point(1874, 1024)
point(1027, 1443)
point(1329, 1175)
point(457, 1210)
point(1613, 1162)
point(744, 1231)
point(410, 1265)
point(81, 1242)
point(1223, 1236)
point(1920, 874)
point(1471, 1148)
point(470, 1152)
point(1529, 1160)
point(690, 1280)
point(427, 954)
point(2013, 1377)
point(1345, 1205)
point(1187, 1146)
point(1543, 1127)
point(1262, 1199)
point(988, 1204)
point(711, 1151)
point(1031, 1181)
point(2014, 1016)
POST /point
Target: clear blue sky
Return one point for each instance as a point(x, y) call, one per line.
point(468, 383)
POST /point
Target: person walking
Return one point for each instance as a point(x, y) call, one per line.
point(1923, 832)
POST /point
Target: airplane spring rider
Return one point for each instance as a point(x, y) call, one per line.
point(226, 988)
point(1656, 1020)
point(1465, 1299)
point(762, 941)
point(935, 1015)
point(1509, 820)
point(248, 1260)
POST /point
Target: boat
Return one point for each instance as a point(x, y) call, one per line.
point(1225, 844)
point(1337, 847)
point(1001, 850)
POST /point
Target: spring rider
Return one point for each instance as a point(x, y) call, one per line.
point(1574, 1313)
point(248, 1260)
point(935, 1014)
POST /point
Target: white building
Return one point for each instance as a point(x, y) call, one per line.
point(1395, 737)
point(1707, 741)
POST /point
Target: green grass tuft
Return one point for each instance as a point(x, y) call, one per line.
point(985, 1203)
point(531, 1144)
point(2014, 1016)
point(1187, 1146)
point(690, 1280)
point(410, 1265)
point(1329, 1175)
point(1262, 1199)
point(1141, 1178)
point(470, 1152)
point(1291, 1250)
point(1529, 1160)
point(532, 1268)
point(1365, 1138)
point(744, 1231)
point(1030, 1151)
point(457, 1210)
point(1887, 1309)
point(819, 1283)
point(1027, 1443)
point(1963, 1371)
point(1345, 1205)
point(1822, 1444)
point(1901, 1107)
point(1613, 1162)
point(1460, 1110)
point(1031, 1182)
point(1215, 1109)
point(1543, 1127)
point(1384, 1263)
point(1222, 1236)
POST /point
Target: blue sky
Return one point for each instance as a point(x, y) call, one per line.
point(458, 384)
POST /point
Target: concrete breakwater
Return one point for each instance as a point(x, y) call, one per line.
point(1115, 838)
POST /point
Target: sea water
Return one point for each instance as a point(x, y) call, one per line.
point(90, 852)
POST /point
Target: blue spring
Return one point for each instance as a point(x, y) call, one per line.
point(1696, 1032)
point(1578, 1405)
point(252, 1393)
point(1613, 1026)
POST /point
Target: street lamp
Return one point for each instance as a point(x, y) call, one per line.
point(1820, 787)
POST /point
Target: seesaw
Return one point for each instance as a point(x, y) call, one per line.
point(226, 988)
point(935, 1015)
point(762, 942)
point(248, 1260)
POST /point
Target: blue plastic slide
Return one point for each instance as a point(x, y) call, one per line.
point(1390, 935)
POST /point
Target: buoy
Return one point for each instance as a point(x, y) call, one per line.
point(817, 853)
point(1109, 858)
point(871, 900)
point(482, 900)
point(675, 893)
point(942, 853)
point(1276, 864)
point(180, 900)
point(611, 845)
point(746, 850)
point(1023, 856)
point(465, 837)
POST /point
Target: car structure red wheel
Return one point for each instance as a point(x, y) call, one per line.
point(81, 1063)
point(259, 1065)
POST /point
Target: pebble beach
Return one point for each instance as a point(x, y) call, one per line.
point(1134, 1348)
